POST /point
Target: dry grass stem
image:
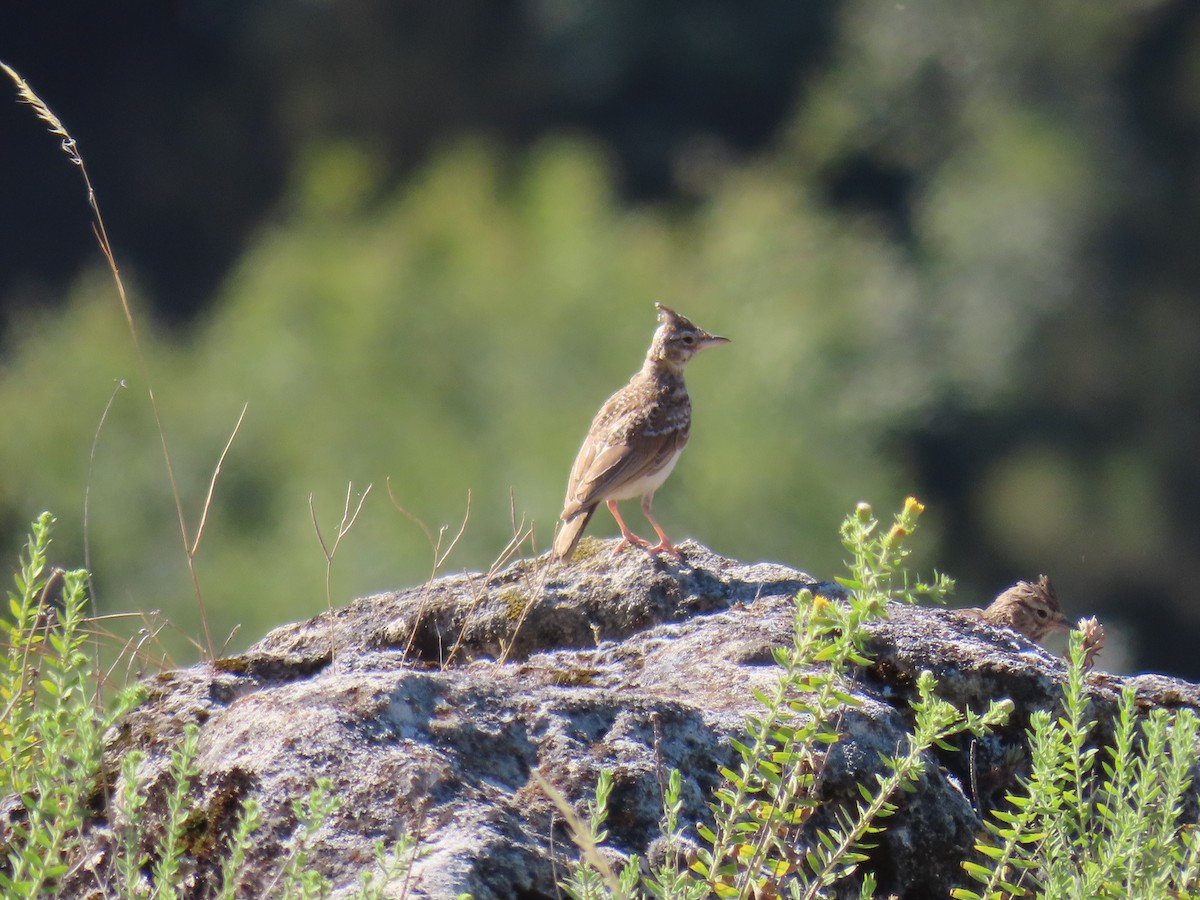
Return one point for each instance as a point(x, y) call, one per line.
point(518, 528)
point(330, 551)
point(129, 650)
point(212, 484)
point(148, 634)
point(344, 525)
point(580, 835)
point(228, 638)
point(520, 535)
point(87, 489)
point(535, 591)
point(71, 148)
point(481, 582)
point(439, 555)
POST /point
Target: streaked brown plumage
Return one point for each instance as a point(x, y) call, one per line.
point(1027, 608)
point(636, 437)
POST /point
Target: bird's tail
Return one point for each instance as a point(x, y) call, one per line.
point(568, 536)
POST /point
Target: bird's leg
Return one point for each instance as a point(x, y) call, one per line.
point(627, 536)
point(664, 542)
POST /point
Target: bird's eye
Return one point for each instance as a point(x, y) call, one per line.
point(688, 339)
point(1041, 613)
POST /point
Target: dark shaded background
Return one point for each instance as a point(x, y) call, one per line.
point(194, 115)
point(233, 91)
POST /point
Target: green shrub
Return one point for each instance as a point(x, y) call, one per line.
point(763, 841)
point(53, 722)
point(1096, 821)
point(54, 718)
point(1101, 815)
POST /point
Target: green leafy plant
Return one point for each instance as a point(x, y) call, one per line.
point(130, 804)
point(51, 730)
point(183, 770)
point(666, 880)
point(54, 717)
point(239, 843)
point(392, 863)
point(1092, 820)
point(1100, 816)
point(298, 880)
point(594, 878)
point(765, 839)
point(154, 868)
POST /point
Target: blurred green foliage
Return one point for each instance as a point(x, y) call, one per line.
point(455, 336)
point(920, 279)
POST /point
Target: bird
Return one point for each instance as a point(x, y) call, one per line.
point(636, 438)
point(1027, 608)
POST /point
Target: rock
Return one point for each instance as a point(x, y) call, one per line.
point(431, 708)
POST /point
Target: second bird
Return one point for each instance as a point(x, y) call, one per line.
point(636, 438)
point(1028, 608)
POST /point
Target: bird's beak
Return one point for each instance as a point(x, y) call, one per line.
point(712, 340)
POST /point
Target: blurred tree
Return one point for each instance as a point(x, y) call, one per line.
point(454, 336)
point(963, 268)
point(1031, 162)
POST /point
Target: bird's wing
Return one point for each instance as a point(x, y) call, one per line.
point(600, 470)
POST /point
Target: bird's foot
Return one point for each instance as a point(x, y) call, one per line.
point(664, 545)
point(629, 539)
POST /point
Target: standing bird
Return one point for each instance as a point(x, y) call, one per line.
point(1028, 609)
point(636, 437)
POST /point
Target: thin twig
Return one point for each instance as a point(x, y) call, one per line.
point(212, 484)
point(439, 557)
point(232, 633)
point(344, 526)
point(505, 556)
point(130, 646)
point(534, 593)
point(87, 490)
point(580, 834)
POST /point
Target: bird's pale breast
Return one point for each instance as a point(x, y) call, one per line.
point(646, 484)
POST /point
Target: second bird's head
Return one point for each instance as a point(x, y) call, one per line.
point(678, 339)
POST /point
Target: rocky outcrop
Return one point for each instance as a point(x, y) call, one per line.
point(430, 709)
